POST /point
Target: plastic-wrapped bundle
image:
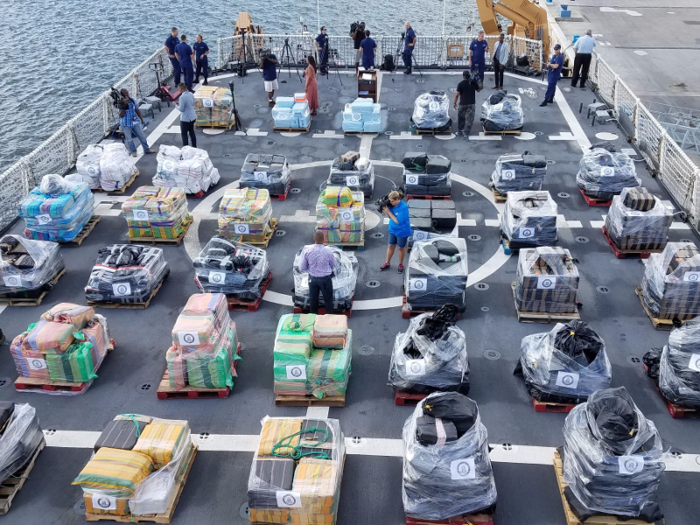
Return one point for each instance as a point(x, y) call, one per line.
point(57, 209)
point(529, 219)
point(431, 355)
point(340, 215)
point(638, 221)
point(431, 111)
point(244, 215)
point(291, 114)
point(613, 456)
point(270, 172)
point(137, 467)
point(27, 267)
point(426, 175)
point(604, 173)
point(546, 281)
point(565, 365)
point(344, 281)
point(187, 168)
point(88, 165)
point(297, 471)
point(213, 106)
point(235, 269)
point(446, 469)
point(20, 436)
point(422, 235)
point(126, 273)
point(156, 212)
point(502, 112)
point(353, 172)
point(362, 115)
point(519, 173)
point(117, 166)
point(671, 282)
point(437, 274)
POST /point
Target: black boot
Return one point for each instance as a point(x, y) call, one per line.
point(544, 103)
point(407, 72)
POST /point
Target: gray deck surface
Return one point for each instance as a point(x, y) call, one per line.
point(371, 491)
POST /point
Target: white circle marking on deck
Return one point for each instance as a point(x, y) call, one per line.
point(526, 135)
point(604, 135)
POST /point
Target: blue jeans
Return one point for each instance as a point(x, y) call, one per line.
point(137, 130)
point(399, 241)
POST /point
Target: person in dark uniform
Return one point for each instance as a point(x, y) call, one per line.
point(369, 48)
point(477, 55)
point(553, 75)
point(358, 36)
point(185, 55)
point(201, 50)
point(322, 48)
point(409, 46)
point(170, 45)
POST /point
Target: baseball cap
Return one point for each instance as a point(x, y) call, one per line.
point(557, 46)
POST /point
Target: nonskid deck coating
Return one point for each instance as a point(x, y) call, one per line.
point(371, 486)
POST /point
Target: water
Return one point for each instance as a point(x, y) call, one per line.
point(61, 55)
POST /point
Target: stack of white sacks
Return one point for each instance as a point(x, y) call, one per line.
point(106, 166)
point(187, 168)
point(362, 115)
point(292, 112)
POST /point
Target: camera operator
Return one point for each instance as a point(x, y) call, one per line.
point(185, 55)
point(131, 122)
point(357, 33)
point(268, 64)
point(170, 44)
point(322, 47)
point(409, 46)
point(399, 228)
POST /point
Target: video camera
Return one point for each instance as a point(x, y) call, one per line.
point(117, 99)
point(384, 201)
point(264, 56)
point(355, 26)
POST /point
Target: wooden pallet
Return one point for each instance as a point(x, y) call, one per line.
point(504, 132)
point(227, 126)
point(87, 229)
point(676, 411)
point(260, 243)
point(359, 246)
point(33, 384)
point(361, 132)
point(469, 519)
point(177, 241)
point(659, 324)
point(36, 301)
point(497, 196)
point(541, 317)
point(548, 406)
point(404, 398)
point(407, 313)
point(127, 306)
point(165, 517)
point(621, 254)
point(249, 306)
point(165, 391)
point(309, 401)
point(432, 132)
point(284, 196)
point(293, 130)
point(430, 197)
point(592, 201)
point(12, 485)
point(321, 311)
point(598, 519)
point(123, 188)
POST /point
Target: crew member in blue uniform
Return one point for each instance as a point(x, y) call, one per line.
point(369, 48)
point(170, 45)
point(201, 50)
point(477, 55)
point(409, 46)
point(322, 48)
point(553, 75)
point(184, 54)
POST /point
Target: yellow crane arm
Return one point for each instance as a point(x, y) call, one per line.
point(529, 19)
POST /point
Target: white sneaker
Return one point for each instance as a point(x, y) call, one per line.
point(134, 154)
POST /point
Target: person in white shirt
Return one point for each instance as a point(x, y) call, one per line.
point(584, 51)
point(500, 57)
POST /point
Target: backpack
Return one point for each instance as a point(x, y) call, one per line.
point(388, 64)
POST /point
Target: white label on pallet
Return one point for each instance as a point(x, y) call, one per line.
point(411, 179)
point(260, 175)
point(415, 367)
point(188, 338)
point(168, 165)
point(246, 252)
point(121, 289)
point(526, 232)
point(630, 464)
point(567, 379)
point(420, 236)
point(12, 281)
point(507, 174)
point(208, 103)
point(694, 363)
point(418, 285)
point(691, 276)
point(296, 372)
point(434, 106)
point(36, 363)
point(288, 500)
point(546, 283)
point(92, 170)
point(242, 228)
point(346, 215)
point(140, 215)
point(352, 180)
point(497, 107)
point(43, 219)
point(217, 277)
point(607, 171)
point(462, 469)
point(102, 502)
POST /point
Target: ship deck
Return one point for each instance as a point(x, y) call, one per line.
point(226, 429)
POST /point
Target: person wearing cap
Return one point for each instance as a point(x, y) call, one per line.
point(477, 54)
point(584, 51)
point(322, 47)
point(553, 74)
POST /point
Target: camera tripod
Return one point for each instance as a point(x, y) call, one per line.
point(325, 52)
point(237, 124)
point(287, 58)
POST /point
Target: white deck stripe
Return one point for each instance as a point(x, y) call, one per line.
point(483, 136)
point(317, 412)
